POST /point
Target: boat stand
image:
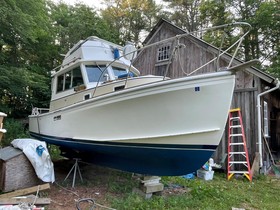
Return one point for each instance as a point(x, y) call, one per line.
point(150, 185)
point(75, 168)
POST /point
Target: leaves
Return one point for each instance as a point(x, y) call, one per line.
point(22, 23)
point(20, 89)
point(131, 17)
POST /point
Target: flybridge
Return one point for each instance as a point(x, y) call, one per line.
point(99, 50)
point(90, 49)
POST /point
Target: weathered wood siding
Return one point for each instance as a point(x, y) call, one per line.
point(246, 100)
point(186, 59)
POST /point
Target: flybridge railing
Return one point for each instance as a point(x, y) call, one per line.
point(132, 54)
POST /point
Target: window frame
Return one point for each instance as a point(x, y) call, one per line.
point(70, 79)
point(163, 52)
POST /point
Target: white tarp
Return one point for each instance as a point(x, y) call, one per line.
point(37, 153)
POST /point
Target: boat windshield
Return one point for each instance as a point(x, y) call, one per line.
point(118, 71)
point(94, 73)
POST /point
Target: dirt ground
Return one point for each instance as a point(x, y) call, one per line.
point(63, 196)
point(99, 184)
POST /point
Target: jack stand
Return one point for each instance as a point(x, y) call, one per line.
point(75, 168)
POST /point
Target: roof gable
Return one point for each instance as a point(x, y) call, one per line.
point(156, 29)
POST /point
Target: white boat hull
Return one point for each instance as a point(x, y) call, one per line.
point(183, 116)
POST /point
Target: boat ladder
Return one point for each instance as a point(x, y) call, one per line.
point(238, 159)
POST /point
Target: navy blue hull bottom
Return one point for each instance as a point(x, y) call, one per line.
point(151, 159)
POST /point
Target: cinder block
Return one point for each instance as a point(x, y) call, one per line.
point(151, 188)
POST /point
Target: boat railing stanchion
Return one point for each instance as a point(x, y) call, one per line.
point(75, 168)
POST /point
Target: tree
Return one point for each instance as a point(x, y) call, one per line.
point(74, 23)
point(215, 13)
point(24, 41)
point(21, 89)
point(22, 23)
point(268, 20)
point(131, 17)
point(185, 13)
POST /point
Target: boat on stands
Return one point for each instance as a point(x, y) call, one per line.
point(104, 112)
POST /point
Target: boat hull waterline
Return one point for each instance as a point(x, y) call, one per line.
point(170, 127)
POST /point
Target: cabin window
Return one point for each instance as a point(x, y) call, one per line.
point(163, 53)
point(94, 73)
point(77, 77)
point(265, 119)
point(118, 71)
point(60, 81)
point(69, 80)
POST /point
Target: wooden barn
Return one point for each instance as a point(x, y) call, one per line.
point(251, 84)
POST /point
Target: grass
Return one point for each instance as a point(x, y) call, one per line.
point(261, 193)
point(116, 190)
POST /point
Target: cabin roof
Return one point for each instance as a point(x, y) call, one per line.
point(257, 72)
point(9, 152)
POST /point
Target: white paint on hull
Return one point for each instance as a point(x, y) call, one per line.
point(167, 112)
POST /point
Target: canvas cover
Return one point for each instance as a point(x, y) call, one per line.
point(37, 153)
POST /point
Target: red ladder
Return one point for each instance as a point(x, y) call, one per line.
point(237, 149)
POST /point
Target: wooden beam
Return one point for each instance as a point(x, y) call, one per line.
point(26, 191)
point(14, 201)
point(244, 65)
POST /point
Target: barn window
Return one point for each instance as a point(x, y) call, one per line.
point(163, 53)
point(265, 119)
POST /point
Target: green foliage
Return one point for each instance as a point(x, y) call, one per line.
point(22, 88)
point(218, 194)
point(214, 12)
point(268, 20)
point(22, 24)
point(74, 23)
point(131, 17)
point(185, 13)
point(54, 152)
point(15, 129)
